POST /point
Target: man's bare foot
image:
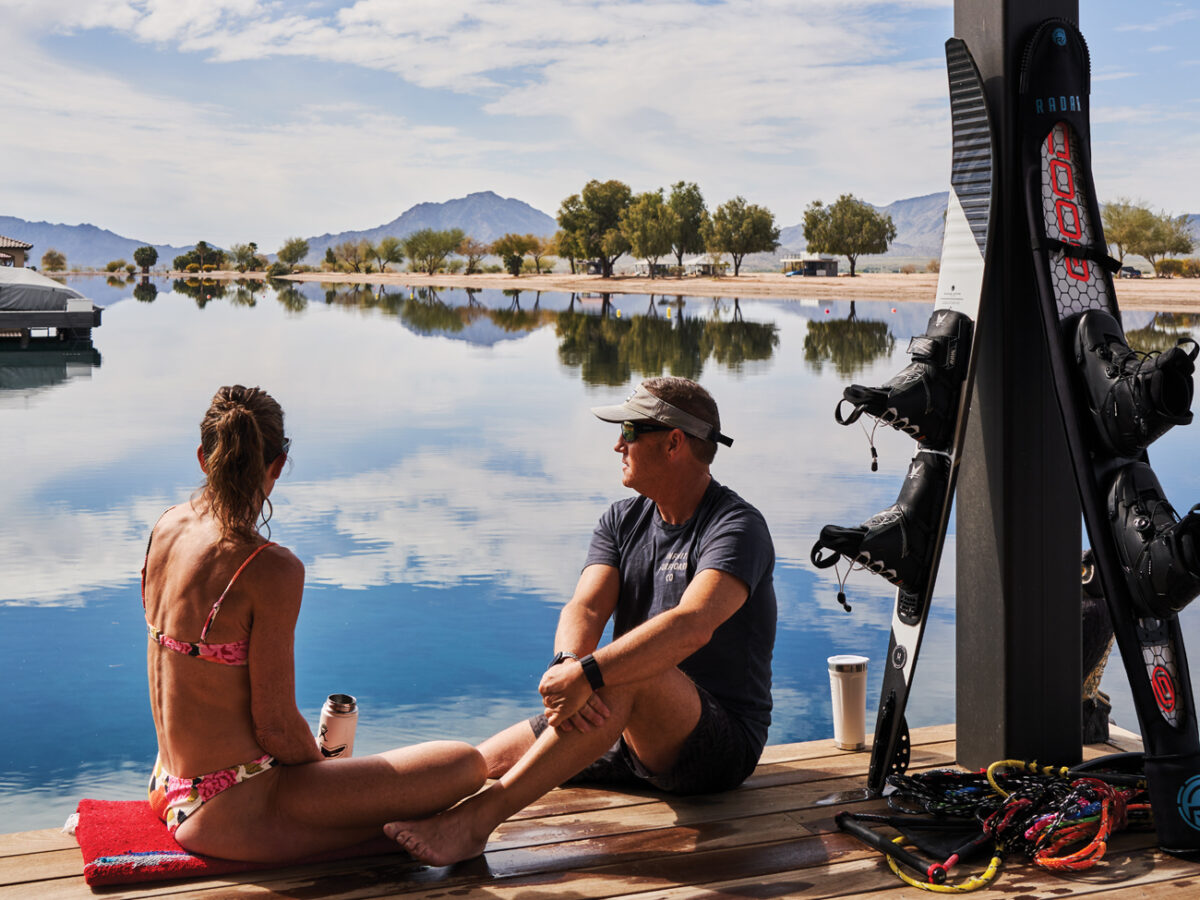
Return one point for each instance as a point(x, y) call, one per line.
point(440, 840)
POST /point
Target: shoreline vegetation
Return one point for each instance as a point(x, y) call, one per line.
point(1158, 294)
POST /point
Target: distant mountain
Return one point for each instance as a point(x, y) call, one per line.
point(484, 216)
point(85, 246)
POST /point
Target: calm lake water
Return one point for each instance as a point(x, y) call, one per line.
point(445, 478)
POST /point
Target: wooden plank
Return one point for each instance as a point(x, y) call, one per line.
point(525, 859)
point(928, 734)
point(477, 878)
point(537, 861)
point(1138, 872)
point(34, 841)
point(768, 838)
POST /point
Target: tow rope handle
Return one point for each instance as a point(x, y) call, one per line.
point(935, 873)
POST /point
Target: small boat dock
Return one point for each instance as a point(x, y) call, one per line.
point(30, 302)
point(770, 838)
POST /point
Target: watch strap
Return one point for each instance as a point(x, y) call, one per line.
point(561, 656)
point(591, 670)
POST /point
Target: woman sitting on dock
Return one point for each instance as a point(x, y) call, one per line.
point(239, 774)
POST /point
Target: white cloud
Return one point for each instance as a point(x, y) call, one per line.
point(1162, 22)
point(782, 103)
point(766, 100)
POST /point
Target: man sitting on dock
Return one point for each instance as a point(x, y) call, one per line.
point(680, 699)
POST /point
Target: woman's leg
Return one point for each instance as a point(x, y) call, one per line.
point(296, 811)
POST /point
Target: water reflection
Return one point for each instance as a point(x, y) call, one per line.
point(608, 350)
point(1162, 331)
point(31, 367)
point(146, 291)
point(444, 481)
point(850, 343)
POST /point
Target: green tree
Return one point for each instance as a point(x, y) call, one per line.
point(202, 254)
point(1169, 268)
point(513, 246)
point(646, 225)
point(572, 232)
point(688, 217)
point(738, 228)
point(848, 228)
point(390, 249)
point(1167, 236)
point(474, 251)
point(114, 265)
point(292, 251)
point(1125, 223)
point(541, 249)
point(353, 256)
point(245, 256)
point(145, 257)
point(53, 261)
point(429, 249)
point(567, 246)
point(594, 218)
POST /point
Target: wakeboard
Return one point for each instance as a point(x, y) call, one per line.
point(1114, 402)
point(928, 400)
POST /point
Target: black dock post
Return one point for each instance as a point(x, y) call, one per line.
point(1018, 520)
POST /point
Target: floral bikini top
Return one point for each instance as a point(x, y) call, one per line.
point(233, 653)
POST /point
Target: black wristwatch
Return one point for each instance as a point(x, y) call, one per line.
point(560, 656)
point(591, 669)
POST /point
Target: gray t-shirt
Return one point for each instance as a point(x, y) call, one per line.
point(658, 560)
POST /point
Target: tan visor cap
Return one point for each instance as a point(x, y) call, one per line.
point(643, 406)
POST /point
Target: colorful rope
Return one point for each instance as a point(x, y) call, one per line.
point(1059, 819)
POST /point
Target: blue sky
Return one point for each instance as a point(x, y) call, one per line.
point(239, 120)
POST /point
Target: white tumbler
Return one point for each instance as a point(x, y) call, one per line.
point(339, 719)
point(848, 682)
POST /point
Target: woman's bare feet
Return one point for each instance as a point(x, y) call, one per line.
point(440, 840)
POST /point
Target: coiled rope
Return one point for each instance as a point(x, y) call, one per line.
point(1059, 818)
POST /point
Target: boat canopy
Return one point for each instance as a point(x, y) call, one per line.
point(25, 289)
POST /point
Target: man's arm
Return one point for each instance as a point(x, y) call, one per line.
point(651, 648)
point(581, 623)
point(669, 638)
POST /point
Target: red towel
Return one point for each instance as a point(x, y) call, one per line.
point(123, 841)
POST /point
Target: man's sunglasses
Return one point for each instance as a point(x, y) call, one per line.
point(287, 445)
point(631, 430)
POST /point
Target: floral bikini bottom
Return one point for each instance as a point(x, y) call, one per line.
point(174, 799)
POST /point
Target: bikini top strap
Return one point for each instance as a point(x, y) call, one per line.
point(212, 614)
point(149, 541)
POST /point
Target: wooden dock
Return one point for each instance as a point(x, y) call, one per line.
point(770, 838)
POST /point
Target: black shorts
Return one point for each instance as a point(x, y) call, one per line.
point(718, 755)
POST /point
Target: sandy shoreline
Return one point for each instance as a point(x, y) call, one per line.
point(1159, 294)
